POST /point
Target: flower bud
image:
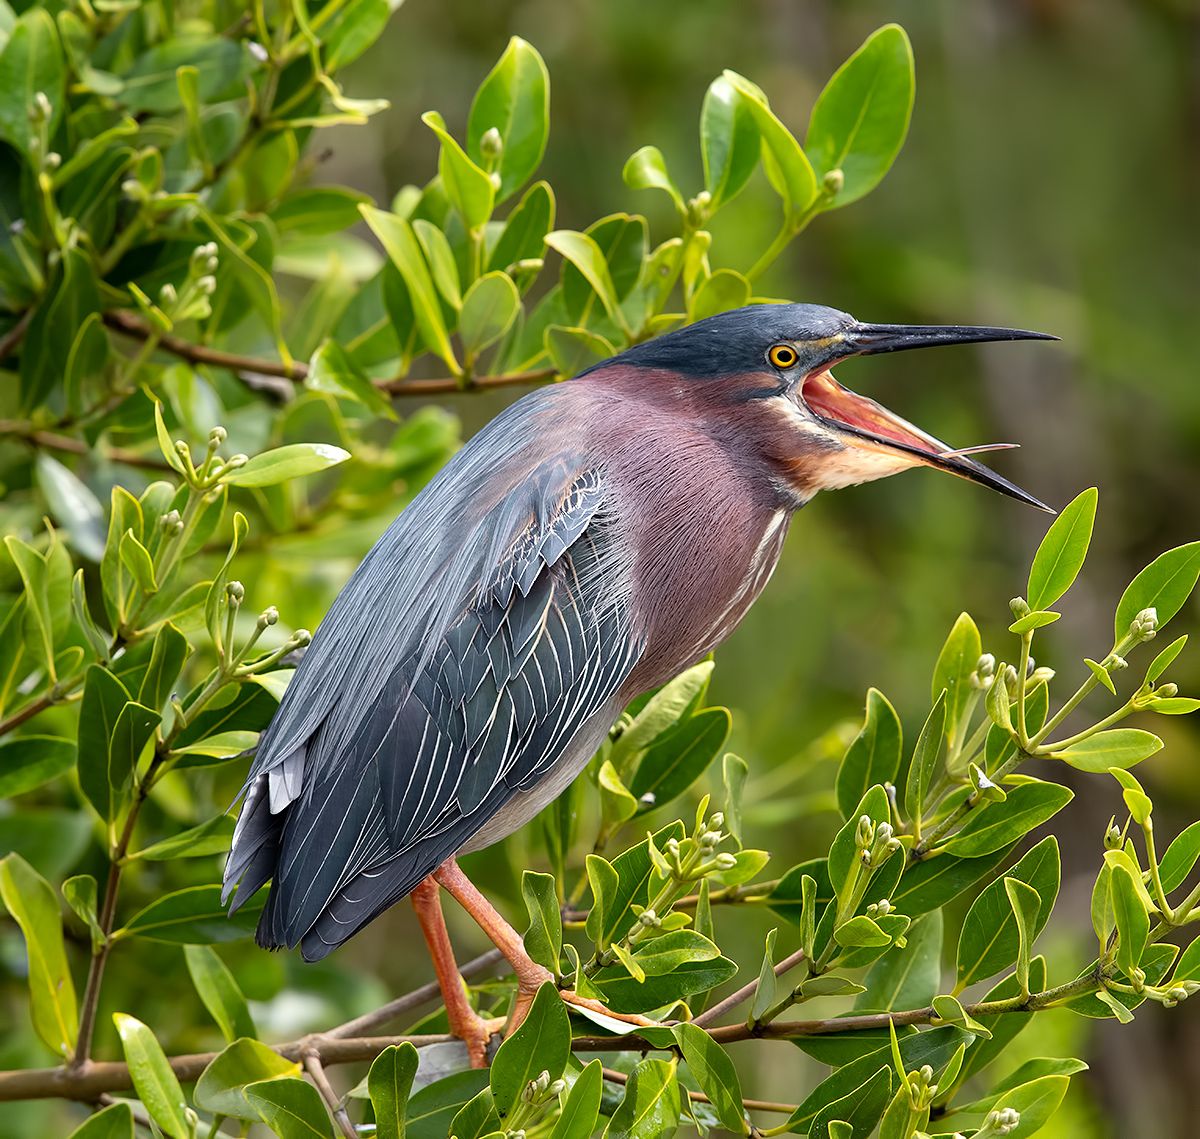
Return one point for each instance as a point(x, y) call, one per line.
point(258, 51)
point(557, 1088)
point(671, 847)
point(269, 616)
point(491, 145)
point(181, 449)
point(1166, 691)
point(725, 861)
point(864, 836)
point(52, 161)
point(171, 521)
point(648, 799)
point(235, 461)
point(216, 437)
point(1145, 625)
point(833, 181)
point(1020, 607)
point(42, 108)
point(235, 591)
point(717, 821)
point(167, 296)
point(1116, 663)
point(649, 919)
point(1041, 675)
point(300, 638)
point(1113, 839)
point(207, 284)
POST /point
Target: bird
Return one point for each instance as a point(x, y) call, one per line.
point(593, 540)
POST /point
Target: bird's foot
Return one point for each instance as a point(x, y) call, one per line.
point(476, 1033)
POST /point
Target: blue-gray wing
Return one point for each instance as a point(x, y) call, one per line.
point(361, 789)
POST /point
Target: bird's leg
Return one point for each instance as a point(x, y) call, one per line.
point(530, 975)
point(465, 1023)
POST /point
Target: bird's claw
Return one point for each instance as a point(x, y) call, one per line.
point(476, 1033)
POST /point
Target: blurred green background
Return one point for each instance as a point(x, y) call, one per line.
point(1049, 181)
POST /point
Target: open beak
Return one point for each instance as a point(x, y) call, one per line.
point(872, 425)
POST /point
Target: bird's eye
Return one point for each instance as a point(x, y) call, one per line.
point(783, 356)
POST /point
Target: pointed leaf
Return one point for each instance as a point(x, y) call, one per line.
point(1061, 554)
point(389, 1083)
point(156, 1085)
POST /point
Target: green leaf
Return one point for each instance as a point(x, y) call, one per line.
point(477, 1118)
point(1117, 747)
point(924, 762)
point(734, 770)
point(1026, 905)
point(990, 938)
point(861, 1109)
point(318, 210)
point(662, 955)
point(291, 1107)
point(137, 560)
point(332, 370)
point(541, 1043)
point(1165, 659)
point(81, 893)
point(874, 756)
point(1133, 923)
point(73, 506)
point(488, 311)
point(156, 1085)
point(113, 1122)
point(221, 1088)
point(26, 762)
point(397, 238)
point(724, 290)
point(616, 803)
point(132, 732)
point(993, 826)
point(679, 757)
point(651, 1104)
point(283, 463)
point(788, 168)
point(1004, 1027)
point(660, 714)
point(432, 1108)
point(1035, 1102)
point(1136, 800)
point(1164, 585)
point(860, 119)
point(353, 28)
point(646, 169)
point(167, 657)
point(571, 350)
point(935, 1048)
point(210, 837)
point(624, 994)
point(1061, 554)
point(1101, 674)
point(31, 62)
point(876, 806)
point(581, 1107)
point(764, 995)
point(729, 141)
point(949, 1009)
point(543, 938)
point(467, 185)
point(31, 902)
point(1035, 620)
point(581, 251)
point(440, 257)
point(523, 236)
point(389, 1083)
point(860, 930)
point(909, 976)
point(32, 567)
point(193, 916)
point(1173, 705)
point(219, 992)
point(104, 698)
point(714, 1072)
point(956, 664)
point(1176, 864)
point(515, 100)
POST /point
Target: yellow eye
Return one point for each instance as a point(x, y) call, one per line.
point(783, 356)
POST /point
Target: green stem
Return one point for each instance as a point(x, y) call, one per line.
point(1022, 685)
point(1081, 693)
point(1108, 721)
point(791, 228)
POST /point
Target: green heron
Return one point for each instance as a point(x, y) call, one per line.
point(593, 540)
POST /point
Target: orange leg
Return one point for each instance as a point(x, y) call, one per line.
point(530, 975)
point(465, 1023)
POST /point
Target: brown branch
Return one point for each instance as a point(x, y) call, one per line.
point(615, 1077)
point(55, 442)
point(16, 334)
point(316, 1072)
point(297, 371)
point(745, 992)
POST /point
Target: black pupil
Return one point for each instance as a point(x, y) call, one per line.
point(784, 356)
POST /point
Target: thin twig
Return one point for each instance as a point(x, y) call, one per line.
point(16, 334)
point(316, 1072)
point(615, 1077)
point(54, 442)
point(361, 1025)
point(745, 992)
point(297, 371)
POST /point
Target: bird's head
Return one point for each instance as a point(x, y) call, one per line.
point(768, 368)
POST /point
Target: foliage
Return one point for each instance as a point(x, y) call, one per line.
point(164, 267)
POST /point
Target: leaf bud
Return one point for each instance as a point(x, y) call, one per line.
point(527, 265)
point(1020, 607)
point(491, 144)
point(1113, 839)
point(235, 592)
point(1166, 691)
point(269, 616)
point(833, 181)
point(1145, 625)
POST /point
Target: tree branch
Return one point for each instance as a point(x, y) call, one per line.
point(52, 441)
point(745, 992)
point(297, 371)
point(92, 1079)
point(615, 1077)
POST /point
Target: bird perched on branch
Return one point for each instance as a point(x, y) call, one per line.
point(593, 540)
